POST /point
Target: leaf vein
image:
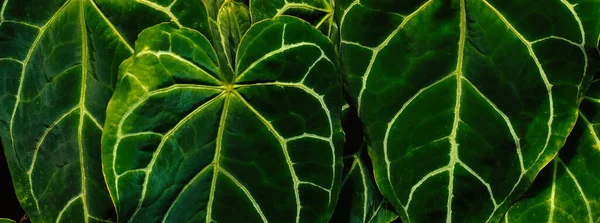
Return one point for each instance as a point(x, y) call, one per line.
point(383, 45)
point(23, 72)
point(185, 187)
point(579, 188)
point(284, 149)
point(159, 149)
point(218, 147)
point(112, 27)
point(62, 211)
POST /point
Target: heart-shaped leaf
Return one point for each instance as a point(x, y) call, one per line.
point(567, 189)
point(183, 143)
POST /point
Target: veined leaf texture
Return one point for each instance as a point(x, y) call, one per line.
point(567, 189)
point(185, 141)
point(58, 68)
point(232, 110)
point(320, 13)
point(464, 101)
point(359, 201)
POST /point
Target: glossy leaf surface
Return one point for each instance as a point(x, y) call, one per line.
point(567, 190)
point(463, 101)
point(6, 220)
point(183, 143)
point(317, 12)
point(233, 22)
point(360, 199)
point(58, 68)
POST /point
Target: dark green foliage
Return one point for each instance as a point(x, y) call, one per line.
point(232, 110)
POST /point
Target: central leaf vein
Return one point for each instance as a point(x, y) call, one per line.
point(284, 149)
point(453, 143)
point(167, 136)
point(218, 147)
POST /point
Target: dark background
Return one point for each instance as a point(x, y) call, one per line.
point(9, 204)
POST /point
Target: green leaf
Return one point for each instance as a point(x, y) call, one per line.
point(213, 7)
point(6, 220)
point(58, 68)
point(360, 199)
point(317, 12)
point(463, 101)
point(567, 189)
point(229, 20)
point(10, 203)
point(181, 143)
point(233, 22)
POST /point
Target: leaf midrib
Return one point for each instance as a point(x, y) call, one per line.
point(82, 100)
point(227, 94)
point(231, 91)
point(365, 77)
point(82, 97)
point(215, 162)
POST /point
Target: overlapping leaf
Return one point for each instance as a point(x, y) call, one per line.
point(317, 12)
point(182, 142)
point(567, 190)
point(58, 67)
point(229, 20)
point(463, 101)
point(360, 200)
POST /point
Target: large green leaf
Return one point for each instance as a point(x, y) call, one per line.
point(463, 101)
point(360, 201)
point(317, 12)
point(182, 143)
point(58, 68)
point(6, 220)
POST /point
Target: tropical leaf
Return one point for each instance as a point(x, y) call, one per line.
point(567, 189)
point(183, 143)
point(463, 101)
point(58, 68)
point(360, 200)
point(6, 220)
point(317, 12)
point(229, 22)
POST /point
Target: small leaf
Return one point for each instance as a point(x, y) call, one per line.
point(233, 22)
point(317, 12)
